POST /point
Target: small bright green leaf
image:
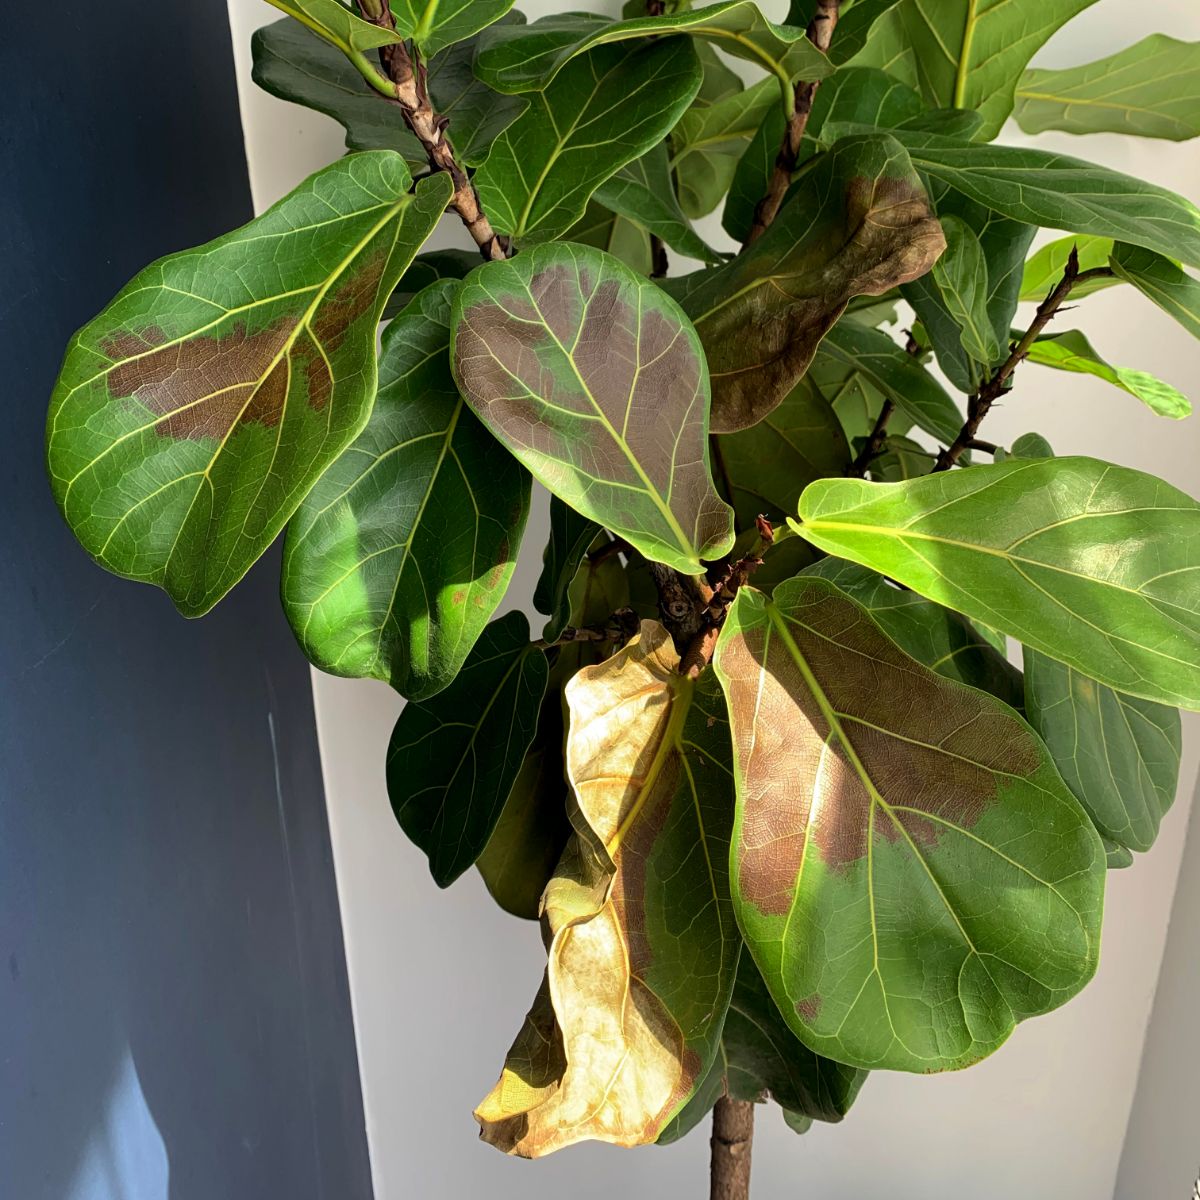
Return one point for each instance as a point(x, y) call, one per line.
point(436, 24)
point(760, 1056)
point(1151, 89)
point(453, 758)
point(1163, 281)
point(1118, 754)
point(1071, 351)
point(521, 60)
point(1031, 445)
point(1093, 564)
point(596, 381)
point(1044, 270)
point(910, 873)
point(399, 555)
point(342, 27)
point(644, 944)
point(858, 223)
point(196, 411)
point(603, 111)
point(1058, 192)
point(570, 537)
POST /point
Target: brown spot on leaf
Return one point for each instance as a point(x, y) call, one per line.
point(809, 1008)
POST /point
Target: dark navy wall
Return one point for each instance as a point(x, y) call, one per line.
point(173, 996)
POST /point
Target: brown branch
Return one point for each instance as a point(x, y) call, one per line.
point(620, 627)
point(731, 1142)
point(820, 33)
point(407, 75)
point(875, 443)
point(995, 387)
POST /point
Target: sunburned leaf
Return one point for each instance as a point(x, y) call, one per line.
point(629, 1018)
point(453, 758)
point(341, 27)
point(1118, 754)
point(1093, 564)
point(1151, 89)
point(858, 223)
point(1071, 351)
point(436, 24)
point(1162, 280)
point(1044, 270)
point(603, 111)
point(910, 873)
point(596, 381)
point(760, 1056)
point(570, 537)
point(195, 412)
point(399, 555)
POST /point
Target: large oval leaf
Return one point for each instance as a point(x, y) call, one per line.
point(1093, 564)
point(194, 413)
point(910, 873)
point(645, 945)
point(596, 381)
point(399, 555)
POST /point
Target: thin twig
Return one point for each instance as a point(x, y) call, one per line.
point(820, 33)
point(620, 627)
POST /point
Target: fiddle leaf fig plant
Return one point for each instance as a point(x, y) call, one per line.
point(835, 714)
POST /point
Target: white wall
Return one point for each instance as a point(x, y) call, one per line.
point(441, 980)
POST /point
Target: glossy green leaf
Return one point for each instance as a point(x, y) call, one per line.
point(570, 537)
point(196, 411)
point(1118, 754)
point(1093, 564)
point(1071, 351)
point(342, 27)
point(453, 758)
point(1045, 269)
point(604, 110)
point(760, 1056)
point(1150, 89)
point(400, 554)
point(1058, 192)
point(910, 873)
point(512, 60)
point(436, 24)
point(858, 223)
point(1161, 280)
point(596, 381)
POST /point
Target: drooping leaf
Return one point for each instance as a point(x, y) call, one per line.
point(195, 412)
point(630, 1016)
point(1161, 280)
point(1118, 754)
point(942, 640)
point(512, 60)
point(399, 555)
point(436, 24)
point(1058, 192)
point(1045, 269)
point(910, 873)
point(342, 27)
point(858, 223)
point(1093, 564)
point(453, 758)
point(570, 537)
point(1150, 89)
point(604, 110)
point(760, 1056)
point(1071, 351)
point(596, 381)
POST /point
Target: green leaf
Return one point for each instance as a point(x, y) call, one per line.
point(1163, 281)
point(341, 27)
point(1119, 857)
point(1151, 89)
point(570, 537)
point(615, 235)
point(909, 871)
point(902, 458)
point(426, 269)
point(858, 223)
point(855, 400)
point(961, 278)
point(453, 758)
point(1071, 351)
point(1118, 754)
point(942, 640)
point(400, 554)
point(512, 60)
point(642, 192)
point(601, 112)
point(1045, 269)
point(1031, 445)
point(1058, 192)
point(436, 24)
point(596, 381)
point(195, 412)
point(760, 1056)
point(1093, 564)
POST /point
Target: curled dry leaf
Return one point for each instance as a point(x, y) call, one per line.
point(628, 1018)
